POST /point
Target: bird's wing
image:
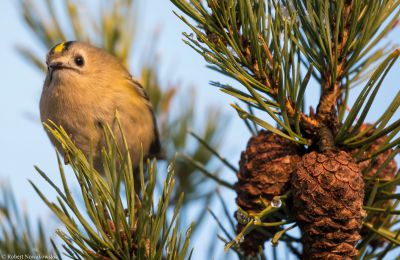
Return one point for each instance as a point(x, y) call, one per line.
point(139, 88)
point(155, 147)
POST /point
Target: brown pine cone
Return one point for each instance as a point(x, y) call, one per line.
point(265, 170)
point(369, 168)
point(328, 193)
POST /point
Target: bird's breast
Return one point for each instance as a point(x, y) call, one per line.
point(71, 107)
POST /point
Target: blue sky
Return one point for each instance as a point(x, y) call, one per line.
point(24, 143)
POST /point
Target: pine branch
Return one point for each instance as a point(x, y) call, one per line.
point(119, 223)
point(264, 45)
point(237, 38)
point(17, 234)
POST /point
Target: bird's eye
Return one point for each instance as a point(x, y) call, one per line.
point(79, 61)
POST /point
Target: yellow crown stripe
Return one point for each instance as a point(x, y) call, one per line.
point(59, 48)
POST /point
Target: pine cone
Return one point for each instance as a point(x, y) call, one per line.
point(328, 193)
point(369, 168)
point(265, 171)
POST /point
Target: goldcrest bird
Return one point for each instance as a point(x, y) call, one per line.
point(84, 88)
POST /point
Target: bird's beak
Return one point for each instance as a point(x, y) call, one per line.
point(56, 65)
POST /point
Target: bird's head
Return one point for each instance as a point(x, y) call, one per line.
point(75, 60)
